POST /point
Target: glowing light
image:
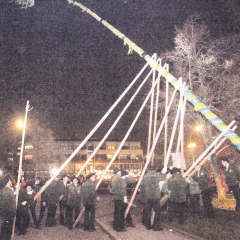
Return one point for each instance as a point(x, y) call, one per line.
point(53, 171)
point(192, 145)
point(19, 124)
point(198, 127)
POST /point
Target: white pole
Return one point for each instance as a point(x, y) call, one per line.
point(90, 134)
point(151, 152)
point(115, 123)
point(20, 165)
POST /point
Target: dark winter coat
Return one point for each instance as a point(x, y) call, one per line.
point(149, 187)
point(89, 193)
point(203, 178)
point(8, 204)
point(118, 187)
point(74, 195)
point(232, 175)
point(53, 192)
point(178, 187)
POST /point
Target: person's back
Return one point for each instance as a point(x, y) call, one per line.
point(89, 192)
point(151, 194)
point(178, 187)
point(8, 208)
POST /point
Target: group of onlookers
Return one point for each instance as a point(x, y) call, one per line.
point(64, 192)
point(74, 197)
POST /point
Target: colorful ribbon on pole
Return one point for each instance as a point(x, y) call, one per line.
point(198, 105)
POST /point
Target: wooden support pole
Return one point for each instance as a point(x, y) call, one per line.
point(91, 133)
point(20, 165)
point(126, 136)
point(150, 154)
point(219, 144)
point(209, 148)
point(173, 131)
point(115, 123)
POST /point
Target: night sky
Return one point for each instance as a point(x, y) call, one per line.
point(72, 69)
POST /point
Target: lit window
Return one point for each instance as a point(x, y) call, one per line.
point(29, 147)
point(28, 157)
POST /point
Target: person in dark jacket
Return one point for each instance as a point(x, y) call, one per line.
point(232, 178)
point(43, 202)
point(89, 196)
point(194, 196)
point(119, 185)
point(204, 181)
point(53, 194)
point(178, 188)
point(150, 192)
point(31, 192)
point(65, 210)
point(25, 200)
point(8, 208)
point(74, 200)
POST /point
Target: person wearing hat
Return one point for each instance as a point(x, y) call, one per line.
point(120, 201)
point(90, 197)
point(63, 207)
point(25, 202)
point(52, 195)
point(151, 194)
point(31, 192)
point(178, 188)
point(74, 200)
point(8, 208)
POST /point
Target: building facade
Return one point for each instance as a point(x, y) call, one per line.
point(39, 161)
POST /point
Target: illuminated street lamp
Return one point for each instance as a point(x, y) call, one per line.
point(19, 124)
point(198, 127)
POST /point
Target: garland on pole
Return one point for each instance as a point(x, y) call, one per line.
point(199, 106)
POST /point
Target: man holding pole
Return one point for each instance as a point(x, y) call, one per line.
point(53, 194)
point(120, 202)
point(151, 194)
point(89, 195)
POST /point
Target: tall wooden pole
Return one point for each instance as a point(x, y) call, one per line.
point(20, 165)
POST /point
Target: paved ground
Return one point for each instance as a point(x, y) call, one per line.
point(104, 229)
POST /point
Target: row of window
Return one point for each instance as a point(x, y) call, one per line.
point(79, 157)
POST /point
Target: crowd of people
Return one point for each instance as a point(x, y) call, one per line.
point(74, 197)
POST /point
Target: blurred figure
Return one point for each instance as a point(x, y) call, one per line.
point(120, 202)
point(43, 203)
point(232, 178)
point(178, 196)
point(53, 194)
point(63, 207)
point(25, 201)
point(204, 181)
point(89, 195)
point(31, 192)
point(194, 196)
point(73, 202)
point(8, 208)
point(151, 193)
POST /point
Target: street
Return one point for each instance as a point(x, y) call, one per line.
point(104, 231)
